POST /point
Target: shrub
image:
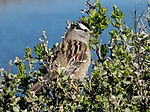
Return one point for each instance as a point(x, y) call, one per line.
point(119, 80)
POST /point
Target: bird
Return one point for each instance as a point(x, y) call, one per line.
point(72, 55)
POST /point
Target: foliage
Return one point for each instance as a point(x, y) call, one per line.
point(119, 80)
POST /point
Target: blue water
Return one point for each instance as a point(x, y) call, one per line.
point(22, 22)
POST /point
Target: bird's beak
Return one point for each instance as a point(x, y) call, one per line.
point(90, 32)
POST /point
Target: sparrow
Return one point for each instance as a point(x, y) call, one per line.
point(72, 55)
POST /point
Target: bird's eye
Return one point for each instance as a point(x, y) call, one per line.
point(85, 30)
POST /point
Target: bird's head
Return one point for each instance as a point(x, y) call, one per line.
point(79, 31)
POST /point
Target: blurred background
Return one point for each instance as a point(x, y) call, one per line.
point(22, 22)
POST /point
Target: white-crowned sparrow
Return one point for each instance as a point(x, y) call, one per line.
point(72, 55)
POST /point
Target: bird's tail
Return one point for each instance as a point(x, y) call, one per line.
point(36, 87)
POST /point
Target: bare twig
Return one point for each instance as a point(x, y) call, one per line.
point(9, 67)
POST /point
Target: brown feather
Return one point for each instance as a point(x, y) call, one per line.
point(71, 55)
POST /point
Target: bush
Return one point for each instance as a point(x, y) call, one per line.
point(119, 80)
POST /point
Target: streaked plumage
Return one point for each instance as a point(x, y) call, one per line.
point(72, 55)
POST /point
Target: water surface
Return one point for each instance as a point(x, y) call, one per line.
point(22, 22)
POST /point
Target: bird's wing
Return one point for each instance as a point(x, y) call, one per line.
point(76, 55)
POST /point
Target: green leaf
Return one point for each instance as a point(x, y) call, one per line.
point(127, 110)
point(16, 109)
point(35, 61)
point(105, 84)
